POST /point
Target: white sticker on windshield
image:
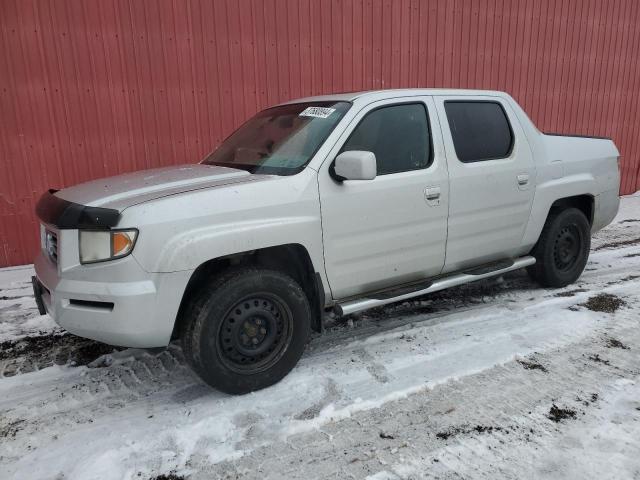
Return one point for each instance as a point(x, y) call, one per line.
point(318, 112)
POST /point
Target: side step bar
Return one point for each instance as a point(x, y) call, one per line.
point(453, 280)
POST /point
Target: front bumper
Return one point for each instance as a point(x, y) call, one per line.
point(96, 302)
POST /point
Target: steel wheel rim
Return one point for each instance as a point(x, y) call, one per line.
point(567, 247)
point(255, 333)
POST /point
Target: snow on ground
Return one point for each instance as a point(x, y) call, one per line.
point(459, 384)
point(18, 311)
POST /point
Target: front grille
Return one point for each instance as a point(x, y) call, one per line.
point(51, 245)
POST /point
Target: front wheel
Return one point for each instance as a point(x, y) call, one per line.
point(246, 329)
point(562, 250)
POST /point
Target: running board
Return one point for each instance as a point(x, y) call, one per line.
point(454, 280)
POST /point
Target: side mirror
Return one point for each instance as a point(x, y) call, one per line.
point(356, 165)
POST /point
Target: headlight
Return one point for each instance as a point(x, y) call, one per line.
point(98, 246)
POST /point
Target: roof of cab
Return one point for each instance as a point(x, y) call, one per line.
point(373, 95)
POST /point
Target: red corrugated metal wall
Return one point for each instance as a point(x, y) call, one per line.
point(98, 87)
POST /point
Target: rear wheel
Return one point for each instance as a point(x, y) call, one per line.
point(247, 329)
point(562, 250)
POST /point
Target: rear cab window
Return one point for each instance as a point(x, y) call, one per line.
point(480, 130)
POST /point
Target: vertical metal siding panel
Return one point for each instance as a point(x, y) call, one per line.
point(548, 59)
point(472, 46)
point(633, 123)
point(245, 48)
point(395, 12)
point(623, 112)
point(465, 41)
point(346, 51)
point(188, 107)
point(594, 62)
point(619, 68)
point(496, 43)
point(560, 26)
point(538, 108)
point(630, 161)
point(429, 52)
point(569, 101)
point(323, 71)
point(484, 50)
point(289, 12)
point(306, 53)
point(414, 43)
point(441, 45)
point(367, 45)
point(601, 72)
point(584, 83)
point(201, 140)
point(99, 88)
point(630, 155)
point(386, 21)
point(234, 65)
point(404, 38)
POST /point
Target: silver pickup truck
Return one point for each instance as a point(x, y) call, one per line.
point(340, 202)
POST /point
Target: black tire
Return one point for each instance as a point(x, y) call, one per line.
point(562, 250)
point(246, 329)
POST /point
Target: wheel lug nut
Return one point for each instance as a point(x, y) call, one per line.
point(255, 341)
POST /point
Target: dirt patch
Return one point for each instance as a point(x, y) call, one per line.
point(631, 255)
point(451, 432)
point(588, 401)
point(532, 366)
point(168, 476)
point(621, 243)
point(615, 343)
point(29, 345)
point(598, 359)
point(604, 302)
point(557, 414)
point(570, 293)
point(4, 297)
point(465, 429)
point(630, 220)
point(37, 352)
point(11, 429)
point(629, 278)
point(91, 351)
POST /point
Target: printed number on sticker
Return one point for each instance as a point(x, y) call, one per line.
point(318, 112)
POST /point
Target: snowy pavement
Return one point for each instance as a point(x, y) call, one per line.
point(497, 379)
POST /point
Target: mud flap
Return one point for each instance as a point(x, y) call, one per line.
point(37, 293)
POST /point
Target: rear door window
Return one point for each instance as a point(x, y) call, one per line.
point(480, 130)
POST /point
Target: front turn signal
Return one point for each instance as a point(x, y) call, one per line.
point(103, 245)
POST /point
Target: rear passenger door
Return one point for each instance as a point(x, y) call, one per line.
point(491, 178)
point(392, 229)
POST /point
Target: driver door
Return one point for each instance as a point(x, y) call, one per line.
point(390, 230)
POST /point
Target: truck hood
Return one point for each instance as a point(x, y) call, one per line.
point(123, 191)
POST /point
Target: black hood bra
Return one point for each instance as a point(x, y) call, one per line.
point(64, 214)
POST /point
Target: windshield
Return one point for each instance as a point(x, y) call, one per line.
point(280, 140)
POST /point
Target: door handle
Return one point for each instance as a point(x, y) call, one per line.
point(523, 179)
point(432, 193)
